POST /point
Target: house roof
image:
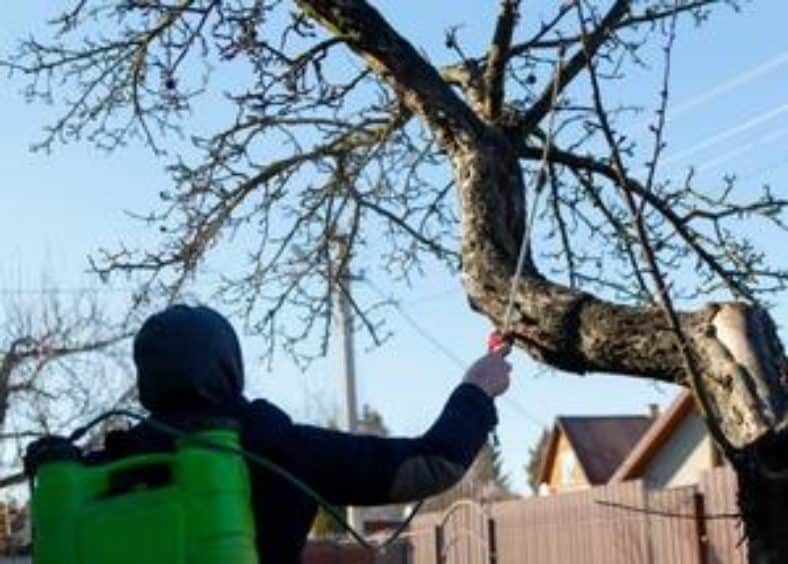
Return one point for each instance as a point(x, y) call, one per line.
point(653, 440)
point(600, 443)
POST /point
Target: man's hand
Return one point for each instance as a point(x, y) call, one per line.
point(491, 372)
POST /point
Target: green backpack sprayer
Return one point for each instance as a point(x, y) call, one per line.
point(188, 506)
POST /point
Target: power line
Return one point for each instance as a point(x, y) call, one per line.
point(449, 354)
point(439, 295)
point(522, 411)
point(55, 290)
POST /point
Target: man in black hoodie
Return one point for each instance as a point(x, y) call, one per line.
point(189, 363)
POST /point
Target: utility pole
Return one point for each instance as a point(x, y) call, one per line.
point(347, 356)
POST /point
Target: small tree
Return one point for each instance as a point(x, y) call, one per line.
point(535, 456)
point(499, 476)
point(325, 526)
point(465, 164)
point(59, 364)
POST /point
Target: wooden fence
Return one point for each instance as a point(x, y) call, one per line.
point(618, 524)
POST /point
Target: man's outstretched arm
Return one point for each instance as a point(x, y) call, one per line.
point(364, 470)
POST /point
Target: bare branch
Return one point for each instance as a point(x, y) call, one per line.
point(574, 66)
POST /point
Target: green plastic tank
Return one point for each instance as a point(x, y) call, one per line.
point(191, 506)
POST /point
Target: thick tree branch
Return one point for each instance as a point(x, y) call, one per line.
point(417, 83)
point(497, 55)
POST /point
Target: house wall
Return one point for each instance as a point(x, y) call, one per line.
point(566, 473)
point(683, 458)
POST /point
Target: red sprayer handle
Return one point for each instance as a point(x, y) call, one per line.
point(496, 340)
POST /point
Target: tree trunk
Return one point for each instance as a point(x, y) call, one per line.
point(763, 502)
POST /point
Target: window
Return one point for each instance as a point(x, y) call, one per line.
point(568, 465)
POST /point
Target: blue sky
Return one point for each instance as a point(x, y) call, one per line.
point(58, 208)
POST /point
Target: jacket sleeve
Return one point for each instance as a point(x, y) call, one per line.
point(364, 470)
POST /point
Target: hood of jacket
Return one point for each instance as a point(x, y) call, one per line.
point(189, 361)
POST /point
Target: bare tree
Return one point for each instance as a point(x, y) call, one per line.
point(59, 364)
point(515, 148)
point(535, 456)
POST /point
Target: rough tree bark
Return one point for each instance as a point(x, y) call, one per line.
point(741, 365)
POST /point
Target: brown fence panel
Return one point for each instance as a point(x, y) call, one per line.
point(582, 528)
point(724, 535)
point(421, 536)
point(465, 534)
point(617, 524)
point(674, 522)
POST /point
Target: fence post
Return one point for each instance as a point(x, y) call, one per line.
point(701, 535)
point(407, 553)
point(438, 545)
point(492, 542)
point(648, 541)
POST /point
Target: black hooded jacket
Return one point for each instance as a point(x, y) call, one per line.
point(189, 363)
